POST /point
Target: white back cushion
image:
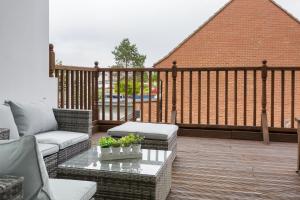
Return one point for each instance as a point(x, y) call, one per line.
point(33, 118)
point(23, 158)
point(7, 121)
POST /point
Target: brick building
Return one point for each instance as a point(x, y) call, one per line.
point(241, 34)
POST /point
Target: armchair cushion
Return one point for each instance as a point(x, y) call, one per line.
point(22, 158)
point(61, 138)
point(33, 118)
point(48, 149)
point(7, 121)
point(72, 189)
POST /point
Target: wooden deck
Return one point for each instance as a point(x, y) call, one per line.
point(233, 169)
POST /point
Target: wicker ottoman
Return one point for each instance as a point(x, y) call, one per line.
point(157, 136)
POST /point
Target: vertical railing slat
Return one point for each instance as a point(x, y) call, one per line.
point(110, 96)
point(85, 89)
point(133, 95)
point(181, 97)
point(126, 95)
point(254, 97)
point(191, 97)
point(217, 97)
point(81, 90)
point(142, 96)
point(118, 94)
point(166, 96)
point(226, 97)
point(158, 98)
point(235, 96)
point(103, 95)
point(282, 97)
point(272, 97)
point(149, 97)
point(67, 89)
point(62, 88)
point(72, 89)
point(89, 89)
point(293, 99)
point(77, 90)
point(245, 97)
point(208, 98)
point(199, 97)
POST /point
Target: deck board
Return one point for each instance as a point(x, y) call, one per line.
point(234, 169)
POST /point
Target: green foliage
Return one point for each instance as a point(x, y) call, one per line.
point(126, 141)
point(127, 55)
point(136, 139)
point(130, 88)
point(105, 142)
point(116, 143)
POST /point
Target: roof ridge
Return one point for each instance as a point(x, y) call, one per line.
point(285, 11)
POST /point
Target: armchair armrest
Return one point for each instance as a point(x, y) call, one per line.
point(4, 134)
point(74, 120)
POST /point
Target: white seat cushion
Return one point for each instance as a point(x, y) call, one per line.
point(149, 130)
point(63, 189)
point(48, 149)
point(61, 138)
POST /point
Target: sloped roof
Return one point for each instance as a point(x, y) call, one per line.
point(211, 19)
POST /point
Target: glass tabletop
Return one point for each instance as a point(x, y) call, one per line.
point(150, 163)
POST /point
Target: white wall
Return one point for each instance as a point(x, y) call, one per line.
point(24, 40)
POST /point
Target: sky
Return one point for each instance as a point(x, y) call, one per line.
point(84, 31)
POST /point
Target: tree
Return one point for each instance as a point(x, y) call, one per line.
point(130, 88)
point(127, 55)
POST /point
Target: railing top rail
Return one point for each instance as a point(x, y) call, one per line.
point(179, 69)
point(74, 68)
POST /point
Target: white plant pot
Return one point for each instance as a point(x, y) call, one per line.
point(126, 149)
point(115, 150)
point(136, 148)
point(105, 151)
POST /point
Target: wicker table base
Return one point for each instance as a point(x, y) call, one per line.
point(131, 179)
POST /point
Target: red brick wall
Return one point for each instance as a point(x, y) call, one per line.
point(243, 34)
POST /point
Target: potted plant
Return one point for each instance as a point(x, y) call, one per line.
point(105, 144)
point(115, 146)
point(126, 144)
point(137, 142)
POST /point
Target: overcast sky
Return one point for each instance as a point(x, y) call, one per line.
point(87, 30)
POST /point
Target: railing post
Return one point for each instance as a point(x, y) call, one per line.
point(298, 136)
point(174, 75)
point(96, 93)
point(51, 60)
point(264, 119)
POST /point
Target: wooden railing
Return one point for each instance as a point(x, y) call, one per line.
point(246, 97)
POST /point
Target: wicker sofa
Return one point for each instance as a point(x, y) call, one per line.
point(71, 138)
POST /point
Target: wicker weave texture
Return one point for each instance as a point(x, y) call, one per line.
point(4, 134)
point(74, 120)
point(71, 151)
point(11, 188)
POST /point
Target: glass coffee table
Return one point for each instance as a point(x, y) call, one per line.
point(148, 177)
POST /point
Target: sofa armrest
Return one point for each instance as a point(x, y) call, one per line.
point(4, 134)
point(74, 120)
